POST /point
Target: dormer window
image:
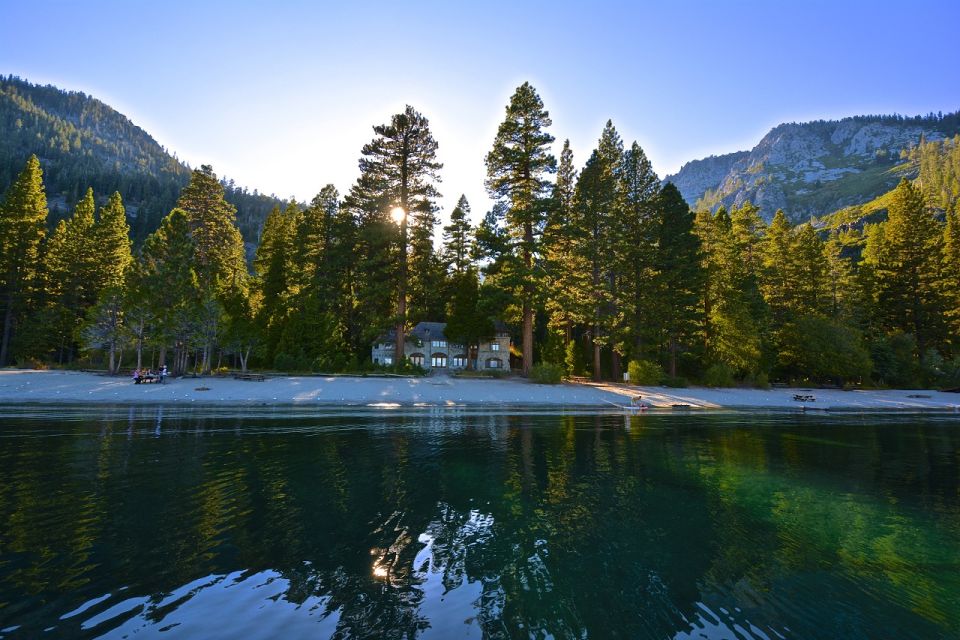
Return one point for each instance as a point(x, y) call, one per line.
point(494, 346)
point(439, 344)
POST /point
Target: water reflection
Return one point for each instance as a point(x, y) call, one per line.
point(137, 522)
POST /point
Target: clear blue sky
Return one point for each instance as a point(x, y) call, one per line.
point(281, 96)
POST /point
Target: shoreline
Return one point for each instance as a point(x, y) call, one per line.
point(76, 388)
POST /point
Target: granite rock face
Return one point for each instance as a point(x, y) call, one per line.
point(812, 168)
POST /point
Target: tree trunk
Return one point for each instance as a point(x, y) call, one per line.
point(527, 300)
point(162, 360)
point(527, 338)
point(615, 366)
point(113, 354)
point(673, 357)
point(596, 356)
point(7, 325)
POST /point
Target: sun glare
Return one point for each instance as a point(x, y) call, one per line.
point(398, 214)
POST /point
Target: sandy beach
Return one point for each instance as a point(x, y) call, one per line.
point(49, 387)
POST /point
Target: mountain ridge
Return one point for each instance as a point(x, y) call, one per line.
point(83, 142)
point(813, 168)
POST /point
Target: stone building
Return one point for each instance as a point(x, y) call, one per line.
point(426, 345)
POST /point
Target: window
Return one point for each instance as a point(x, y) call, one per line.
point(387, 360)
point(417, 359)
point(494, 346)
point(439, 344)
point(460, 362)
point(494, 363)
point(438, 360)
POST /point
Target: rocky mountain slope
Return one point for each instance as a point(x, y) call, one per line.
point(813, 168)
point(82, 142)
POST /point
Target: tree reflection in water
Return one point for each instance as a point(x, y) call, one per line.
point(451, 524)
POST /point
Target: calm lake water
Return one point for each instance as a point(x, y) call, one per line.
point(143, 523)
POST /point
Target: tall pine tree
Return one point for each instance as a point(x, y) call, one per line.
point(23, 216)
point(399, 170)
point(517, 167)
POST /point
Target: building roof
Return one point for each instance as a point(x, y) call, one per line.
point(426, 331)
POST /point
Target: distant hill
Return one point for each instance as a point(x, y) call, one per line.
point(814, 168)
point(82, 142)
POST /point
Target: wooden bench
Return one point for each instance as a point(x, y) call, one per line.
point(578, 379)
point(256, 377)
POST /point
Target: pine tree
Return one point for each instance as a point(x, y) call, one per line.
point(72, 273)
point(776, 276)
point(636, 235)
point(398, 170)
point(23, 216)
point(219, 256)
point(908, 267)
point(458, 238)
point(275, 269)
point(809, 273)
point(113, 247)
point(466, 322)
point(517, 167)
point(732, 330)
point(679, 275)
point(596, 219)
point(951, 278)
point(566, 273)
point(104, 326)
point(168, 284)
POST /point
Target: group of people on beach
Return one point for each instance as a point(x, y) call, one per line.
point(146, 375)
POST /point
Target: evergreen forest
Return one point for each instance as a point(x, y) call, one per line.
point(596, 267)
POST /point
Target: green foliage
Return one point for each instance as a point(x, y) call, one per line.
point(574, 362)
point(85, 143)
point(546, 373)
point(719, 375)
point(645, 373)
point(676, 382)
point(517, 167)
point(23, 215)
point(895, 363)
point(824, 350)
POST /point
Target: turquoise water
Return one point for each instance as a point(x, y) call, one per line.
point(145, 523)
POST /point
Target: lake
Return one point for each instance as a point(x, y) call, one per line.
point(448, 523)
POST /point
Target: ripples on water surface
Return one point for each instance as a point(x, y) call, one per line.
point(145, 523)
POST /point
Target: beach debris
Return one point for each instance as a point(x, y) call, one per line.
point(201, 389)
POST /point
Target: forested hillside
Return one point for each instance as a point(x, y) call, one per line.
point(814, 168)
point(82, 142)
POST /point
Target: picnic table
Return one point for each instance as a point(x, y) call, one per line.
point(148, 378)
point(802, 397)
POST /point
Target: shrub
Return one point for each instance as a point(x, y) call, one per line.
point(762, 381)
point(576, 364)
point(718, 375)
point(823, 349)
point(546, 373)
point(678, 382)
point(645, 372)
point(30, 362)
point(894, 362)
